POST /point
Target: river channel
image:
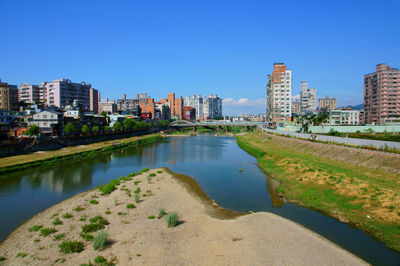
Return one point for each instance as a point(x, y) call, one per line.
point(213, 161)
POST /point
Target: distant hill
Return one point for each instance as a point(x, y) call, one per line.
point(357, 107)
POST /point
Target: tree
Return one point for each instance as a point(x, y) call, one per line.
point(117, 126)
point(33, 130)
point(69, 128)
point(107, 128)
point(95, 129)
point(129, 123)
point(85, 129)
point(164, 123)
point(103, 113)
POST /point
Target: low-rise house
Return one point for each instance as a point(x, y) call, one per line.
point(49, 122)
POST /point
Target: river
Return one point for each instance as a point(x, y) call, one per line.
point(213, 161)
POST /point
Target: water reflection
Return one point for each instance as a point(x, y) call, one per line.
point(276, 197)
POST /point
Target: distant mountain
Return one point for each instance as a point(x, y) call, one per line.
point(356, 107)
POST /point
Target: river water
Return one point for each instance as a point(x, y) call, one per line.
point(213, 161)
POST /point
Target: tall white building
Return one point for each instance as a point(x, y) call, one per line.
point(279, 94)
point(308, 98)
point(206, 107)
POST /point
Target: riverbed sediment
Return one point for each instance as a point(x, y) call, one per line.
point(206, 233)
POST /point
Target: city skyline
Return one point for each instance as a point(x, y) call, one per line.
point(225, 48)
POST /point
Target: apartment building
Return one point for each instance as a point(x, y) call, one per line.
point(344, 117)
point(327, 103)
point(308, 98)
point(30, 93)
point(125, 104)
point(279, 94)
point(296, 107)
point(107, 106)
point(49, 122)
point(205, 107)
point(8, 97)
point(94, 100)
point(63, 92)
point(382, 95)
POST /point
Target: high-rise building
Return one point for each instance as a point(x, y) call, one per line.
point(296, 107)
point(206, 107)
point(196, 101)
point(94, 99)
point(63, 92)
point(382, 95)
point(279, 94)
point(30, 93)
point(107, 106)
point(308, 98)
point(8, 97)
point(327, 103)
point(125, 104)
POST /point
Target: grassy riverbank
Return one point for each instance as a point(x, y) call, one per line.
point(368, 198)
point(45, 158)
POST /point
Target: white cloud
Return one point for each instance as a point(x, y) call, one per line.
point(296, 97)
point(231, 106)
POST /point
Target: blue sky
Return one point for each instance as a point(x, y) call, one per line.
point(190, 47)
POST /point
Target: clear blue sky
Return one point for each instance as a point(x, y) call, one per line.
point(187, 47)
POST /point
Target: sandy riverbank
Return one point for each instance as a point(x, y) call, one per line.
point(203, 236)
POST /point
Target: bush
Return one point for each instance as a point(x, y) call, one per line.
point(2, 258)
point(78, 209)
point(161, 213)
point(107, 189)
point(95, 129)
point(86, 236)
point(59, 236)
point(95, 202)
point(137, 197)
point(152, 175)
point(130, 206)
point(107, 212)
point(85, 129)
point(100, 259)
point(137, 190)
point(99, 240)
point(145, 170)
point(172, 219)
point(151, 217)
point(67, 215)
point(35, 228)
point(71, 247)
point(57, 221)
point(47, 231)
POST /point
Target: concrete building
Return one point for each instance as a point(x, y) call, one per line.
point(8, 97)
point(308, 98)
point(94, 100)
point(296, 107)
point(327, 103)
point(206, 107)
point(382, 95)
point(49, 122)
point(189, 113)
point(344, 117)
point(279, 94)
point(107, 106)
point(63, 92)
point(125, 104)
point(196, 101)
point(176, 106)
point(30, 93)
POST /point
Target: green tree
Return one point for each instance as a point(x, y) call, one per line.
point(33, 130)
point(85, 129)
point(129, 123)
point(95, 129)
point(103, 113)
point(107, 128)
point(164, 123)
point(117, 126)
point(69, 128)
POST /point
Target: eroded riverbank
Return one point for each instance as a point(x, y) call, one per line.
point(135, 237)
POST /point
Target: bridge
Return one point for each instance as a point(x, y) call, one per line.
point(218, 123)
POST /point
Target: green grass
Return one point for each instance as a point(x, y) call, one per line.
point(152, 175)
point(137, 197)
point(144, 170)
point(137, 190)
point(161, 213)
point(59, 236)
point(107, 212)
point(100, 260)
point(36, 240)
point(57, 221)
point(21, 255)
point(35, 228)
point(122, 213)
point(71, 247)
point(96, 223)
point(86, 236)
point(151, 217)
point(159, 172)
point(130, 206)
point(67, 215)
point(99, 240)
point(326, 198)
point(79, 208)
point(94, 202)
point(172, 219)
point(47, 231)
point(2, 258)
